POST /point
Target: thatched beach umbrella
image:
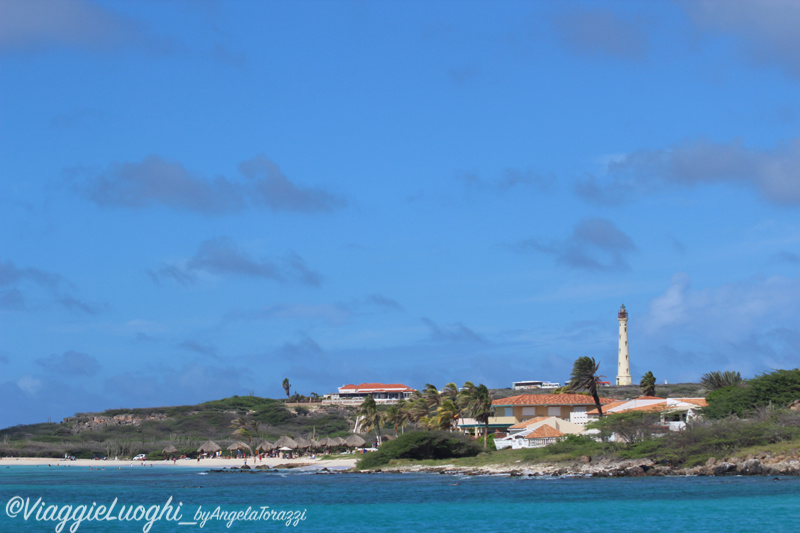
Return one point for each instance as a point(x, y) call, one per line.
point(239, 445)
point(355, 441)
point(209, 447)
point(286, 442)
point(315, 444)
point(169, 449)
point(302, 444)
point(266, 446)
point(338, 441)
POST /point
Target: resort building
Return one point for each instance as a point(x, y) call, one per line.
point(522, 385)
point(537, 432)
point(380, 392)
point(674, 412)
point(515, 409)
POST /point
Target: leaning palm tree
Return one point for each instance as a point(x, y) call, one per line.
point(450, 392)
point(717, 380)
point(584, 377)
point(370, 417)
point(479, 407)
point(287, 387)
point(397, 415)
point(432, 396)
point(417, 409)
point(446, 414)
point(648, 384)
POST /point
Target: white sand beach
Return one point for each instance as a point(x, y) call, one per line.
point(301, 462)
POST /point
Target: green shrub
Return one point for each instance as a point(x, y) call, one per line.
point(422, 445)
point(778, 388)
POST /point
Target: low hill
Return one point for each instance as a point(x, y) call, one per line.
point(127, 432)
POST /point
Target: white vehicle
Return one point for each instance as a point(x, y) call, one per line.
point(140, 457)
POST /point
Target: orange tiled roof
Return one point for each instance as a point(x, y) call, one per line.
point(544, 432)
point(549, 399)
point(608, 406)
point(526, 423)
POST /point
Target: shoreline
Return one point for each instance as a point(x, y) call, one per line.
point(212, 463)
point(761, 465)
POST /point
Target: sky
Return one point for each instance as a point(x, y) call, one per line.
point(202, 198)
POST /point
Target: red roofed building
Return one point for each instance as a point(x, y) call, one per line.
point(675, 412)
point(515, 409)
point(380, 392)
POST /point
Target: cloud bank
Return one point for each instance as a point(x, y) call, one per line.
point(156, 181)
point(774, 173)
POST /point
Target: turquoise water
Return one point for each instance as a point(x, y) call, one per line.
point(354, 503)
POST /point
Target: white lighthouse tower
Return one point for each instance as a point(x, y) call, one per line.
point(624, 364)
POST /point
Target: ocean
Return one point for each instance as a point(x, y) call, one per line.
point(188, 499)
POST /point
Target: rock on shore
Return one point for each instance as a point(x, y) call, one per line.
point(760, 465)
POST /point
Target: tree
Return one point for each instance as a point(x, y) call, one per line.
point(479, 407)
point(286, 387)
point(629, 427)
point(245, 428)
point(446, 415)
point(450, 391)
point(648, 384)
point(370, 417)
point(397, 415)
point(584, 377)
point(432, 396)
point(718, 380)
point(778, 388)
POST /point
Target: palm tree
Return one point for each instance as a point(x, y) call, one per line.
point(648, 384)
point(446, 414)
point(584, 377)
point(370, 417)
point(479, 407)
point(417, 409)
point(286, 387)
point(717, 380)
point(450, 391)
point(432, 396)
point(397, 415)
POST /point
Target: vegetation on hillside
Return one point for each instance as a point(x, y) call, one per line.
point(150, 430)
point(778, 388)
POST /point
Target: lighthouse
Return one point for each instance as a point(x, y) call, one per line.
point(624, 363)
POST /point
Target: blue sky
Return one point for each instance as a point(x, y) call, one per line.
point(200, 199)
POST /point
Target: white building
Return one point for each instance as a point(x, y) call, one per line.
point(380, 392)
point(537, 432)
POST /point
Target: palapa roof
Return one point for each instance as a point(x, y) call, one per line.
point(169, 449)
point(337, 441)
point(209, 447)
point(266, 446)
point(239, 445)
point(355, 441)
point(302, 443)
point(286, 442)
